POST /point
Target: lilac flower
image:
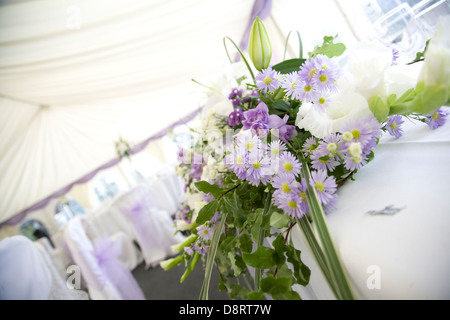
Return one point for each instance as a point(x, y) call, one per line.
point(283, 181)
point(204, 232)
point(289, 164)
point(305, 92)
point(393, 126)
point(395, 56)
point(290, 203)
point(188, 250)
point(237, 161)
point(310, 145)
point(200, 249)
point(324, 185)
point(235, 93)
point(276, 147)
point(364, 130)
point(267, 80)
point(436, 119)
point(322, 159)
point(289, 82)
point(260, 129)
point(236, 117)
point(307, 71)
point(259, 170)
point(281, 129)
point(260, 114)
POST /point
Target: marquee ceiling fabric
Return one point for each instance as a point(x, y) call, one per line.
point(77, 75)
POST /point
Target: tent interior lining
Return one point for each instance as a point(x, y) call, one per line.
point(77, 76)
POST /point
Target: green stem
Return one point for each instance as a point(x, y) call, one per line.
point(211, 256)
point(338, 274)
point(316, 250)
point(242, 55)
point(262, 235)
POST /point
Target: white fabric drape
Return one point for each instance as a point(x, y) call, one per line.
point(76, 76)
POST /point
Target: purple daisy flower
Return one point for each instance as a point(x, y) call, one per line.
point(322, 159)
point(259, 170)
point(237, 161)
point(267, 80)
point(289, 164)
point(436, 119)
point(289, 82)
point(307, 71)
point(324, 185)
point(305, 92)
point(283, 181)
point(204, 232)
point(276, 147)
point(364, 130)
point(290, 203)
point(393, 126)
point(310, 145)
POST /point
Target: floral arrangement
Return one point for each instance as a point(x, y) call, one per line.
point(122, 148)
point(275, 144)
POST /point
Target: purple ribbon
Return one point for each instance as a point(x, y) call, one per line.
point(107, 252)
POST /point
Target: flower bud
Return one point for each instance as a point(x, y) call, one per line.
point(259, 47)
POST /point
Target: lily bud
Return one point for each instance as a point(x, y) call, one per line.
point(259, 47)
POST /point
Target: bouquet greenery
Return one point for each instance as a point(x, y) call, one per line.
point(277, 141)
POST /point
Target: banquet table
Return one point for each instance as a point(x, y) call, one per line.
point(391, 223)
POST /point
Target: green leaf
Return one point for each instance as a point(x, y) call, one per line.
point(206, 187)
point(328, 48)
point(288, 66)
point(276, 286)
point(279, 220)
point(245, 243)
point(301, 272)
point(379, 108)
point(261, 258)
point(256, 295)
point(207, 212)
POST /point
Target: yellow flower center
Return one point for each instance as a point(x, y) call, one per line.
point(323, 78)
point(319, 186)
point(276, 151)
point(312, 72)
point(239, 160)
point(322, 100)
point(435, 116)
point(302, 195)
point(308, 88)
point(292, 204)
point(250, 145)
point(356, 134)
point(267, 80)
point(394, 126)
point(288, 166)
point(256, 165)
point(285, 187)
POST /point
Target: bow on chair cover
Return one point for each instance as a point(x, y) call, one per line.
point(105, 278)
point(154, 230)
point(107, 253)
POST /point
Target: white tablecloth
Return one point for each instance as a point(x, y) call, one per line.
point(405, 255)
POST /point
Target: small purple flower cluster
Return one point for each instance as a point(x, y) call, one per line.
point(315, 82)
point(259, 163)
point(351, 147)
point(259, 122)
point(238, 99)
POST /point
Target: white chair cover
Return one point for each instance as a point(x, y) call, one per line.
point(98, 262)
point(154, 229)
point(24, 274)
